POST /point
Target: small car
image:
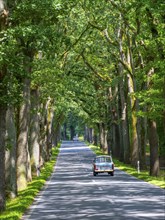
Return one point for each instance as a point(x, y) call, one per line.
point(75, 138)
point(103, 164)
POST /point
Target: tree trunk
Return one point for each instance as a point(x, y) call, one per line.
point(72, 132)
point(34, 132)
point(42, 136)
point(116, 135)
point(50, 116)
point(95, 139)
point(164, 109)
point(134, 134)
point(65, 132)
point(133, 102)
point(10, 165)
point(154, 155)
point(105, 148)
point(85, 133)
point(23, 162)
point(143, 142)
point(125, 144)
point(103, 138)
point(152, 133)
point(3, 14)
point(90, 135)
point(56, 128)
point(3, 110)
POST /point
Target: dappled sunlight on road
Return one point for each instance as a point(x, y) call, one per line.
point(73, 193)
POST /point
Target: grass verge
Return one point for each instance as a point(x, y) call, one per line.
point(15, 208)
point(143, 175)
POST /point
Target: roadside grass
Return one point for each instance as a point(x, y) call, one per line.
point(143, 175)
point(15, 208)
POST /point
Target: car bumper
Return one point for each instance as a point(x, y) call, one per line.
point(103, 171)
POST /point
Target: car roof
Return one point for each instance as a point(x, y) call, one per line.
point(103, 156)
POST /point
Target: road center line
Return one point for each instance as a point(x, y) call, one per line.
point(111, 201)
point(99, 187)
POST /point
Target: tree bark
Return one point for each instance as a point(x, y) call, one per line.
point(34, 132)
point(152, 133)
point(95, 139)
point(153, 141)
point(23, 163)
point(72, 132)
point(3, 110)
point(10, 165)
point(86, 133)
point(103, 138)
point(143, 142)
point(56, 132)
point(42, 136)
point(125, 144)
point(134, 145)
point(3, 15)
point(101, 132)
point(89, 135)
point(116, 135)
point(49, 122)
point(164, 109)
point(64, 133)
point(56, 128)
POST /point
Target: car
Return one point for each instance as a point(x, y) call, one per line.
point(75, 138)
point(103, 164)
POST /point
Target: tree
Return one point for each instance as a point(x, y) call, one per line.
point(3, 108)
point(10, 154)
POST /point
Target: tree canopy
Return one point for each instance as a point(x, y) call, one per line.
point(91, 64)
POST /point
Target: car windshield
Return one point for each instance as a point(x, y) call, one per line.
point(103, 159)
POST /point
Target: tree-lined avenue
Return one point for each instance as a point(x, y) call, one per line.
point(80, 67)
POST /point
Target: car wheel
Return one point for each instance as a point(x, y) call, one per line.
point(112, 173)
point(94, 173)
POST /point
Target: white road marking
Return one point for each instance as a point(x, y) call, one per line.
point(111, 201)
point(99, 187)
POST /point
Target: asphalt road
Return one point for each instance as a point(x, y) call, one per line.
point(73, 193)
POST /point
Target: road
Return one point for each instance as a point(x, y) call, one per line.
point(73, 193)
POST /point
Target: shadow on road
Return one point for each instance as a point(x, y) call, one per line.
point(73, 193)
